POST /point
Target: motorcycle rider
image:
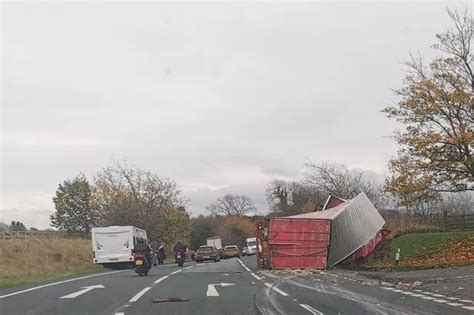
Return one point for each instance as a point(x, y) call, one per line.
point(179, 248)
point(142, 247)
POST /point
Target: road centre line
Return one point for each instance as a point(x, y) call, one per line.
point(145, 290)
point(59, 282)
point(274, 288)
point(310, 309)
point(139, 294)
point(161, 279)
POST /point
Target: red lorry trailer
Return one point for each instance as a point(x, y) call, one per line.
point(293, 243)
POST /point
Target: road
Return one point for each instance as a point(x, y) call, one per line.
point(227, 287)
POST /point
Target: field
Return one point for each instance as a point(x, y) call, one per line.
point(427, 250)
point(34, 260)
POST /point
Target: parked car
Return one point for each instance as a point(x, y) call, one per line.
point(206, 252)
point(231, 251)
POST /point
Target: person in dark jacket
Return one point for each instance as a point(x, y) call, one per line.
point(161, 254)
point(179, 248)
point(142, 247)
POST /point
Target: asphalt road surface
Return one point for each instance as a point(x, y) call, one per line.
point(227, 287)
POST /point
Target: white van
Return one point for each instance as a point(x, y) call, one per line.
point(251, 246)
point(112, 245)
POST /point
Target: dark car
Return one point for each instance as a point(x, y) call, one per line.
point(206, 252)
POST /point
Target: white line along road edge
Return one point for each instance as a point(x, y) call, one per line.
point(59, 282)
point(247, 268)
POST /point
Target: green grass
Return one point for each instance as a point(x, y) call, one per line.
point(422, 245)
point(6, 282)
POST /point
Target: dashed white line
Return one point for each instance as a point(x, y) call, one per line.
point(428, 298)
point(466, 301)
point(440, 301)
point(139, 294)
point(161, 279)
point(274, 288)
point(122, 313)
point(455, 304)
point(471, 308)
point(310, 309)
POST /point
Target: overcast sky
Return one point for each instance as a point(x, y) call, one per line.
point(221, 97)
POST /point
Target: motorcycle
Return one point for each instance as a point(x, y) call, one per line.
point(180, 259)
point(142, 265)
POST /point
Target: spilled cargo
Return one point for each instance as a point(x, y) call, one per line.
point(320, 239)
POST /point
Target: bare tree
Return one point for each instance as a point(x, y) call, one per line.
point(458, 203)
point(232, 205)
point(337, 180)
point(127, 195)
point(292, 197)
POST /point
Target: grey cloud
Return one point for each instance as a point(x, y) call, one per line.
point(227, 95)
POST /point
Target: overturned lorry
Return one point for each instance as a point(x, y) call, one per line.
point(321, 239)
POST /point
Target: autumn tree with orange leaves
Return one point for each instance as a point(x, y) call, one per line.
point(436, 108)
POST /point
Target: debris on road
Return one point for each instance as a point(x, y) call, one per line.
point(169, 300)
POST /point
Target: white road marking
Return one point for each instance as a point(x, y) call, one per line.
point(471, 308)
point(466, 301)
point(274, 288)
point(310, 309)
point(120, 313)
point(427, 297)
point(243, 265)
point(59, 282)
point(211, 290)
point(440, 301)
point(81, 292)
point(139, 294)
point(161, 279)
point(255, 276)
point(455, 304)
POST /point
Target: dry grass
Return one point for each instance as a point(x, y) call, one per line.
point(23, 258)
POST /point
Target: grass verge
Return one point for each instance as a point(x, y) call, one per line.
point(426, 250)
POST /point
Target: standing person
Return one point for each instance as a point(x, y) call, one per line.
point(161, 254)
